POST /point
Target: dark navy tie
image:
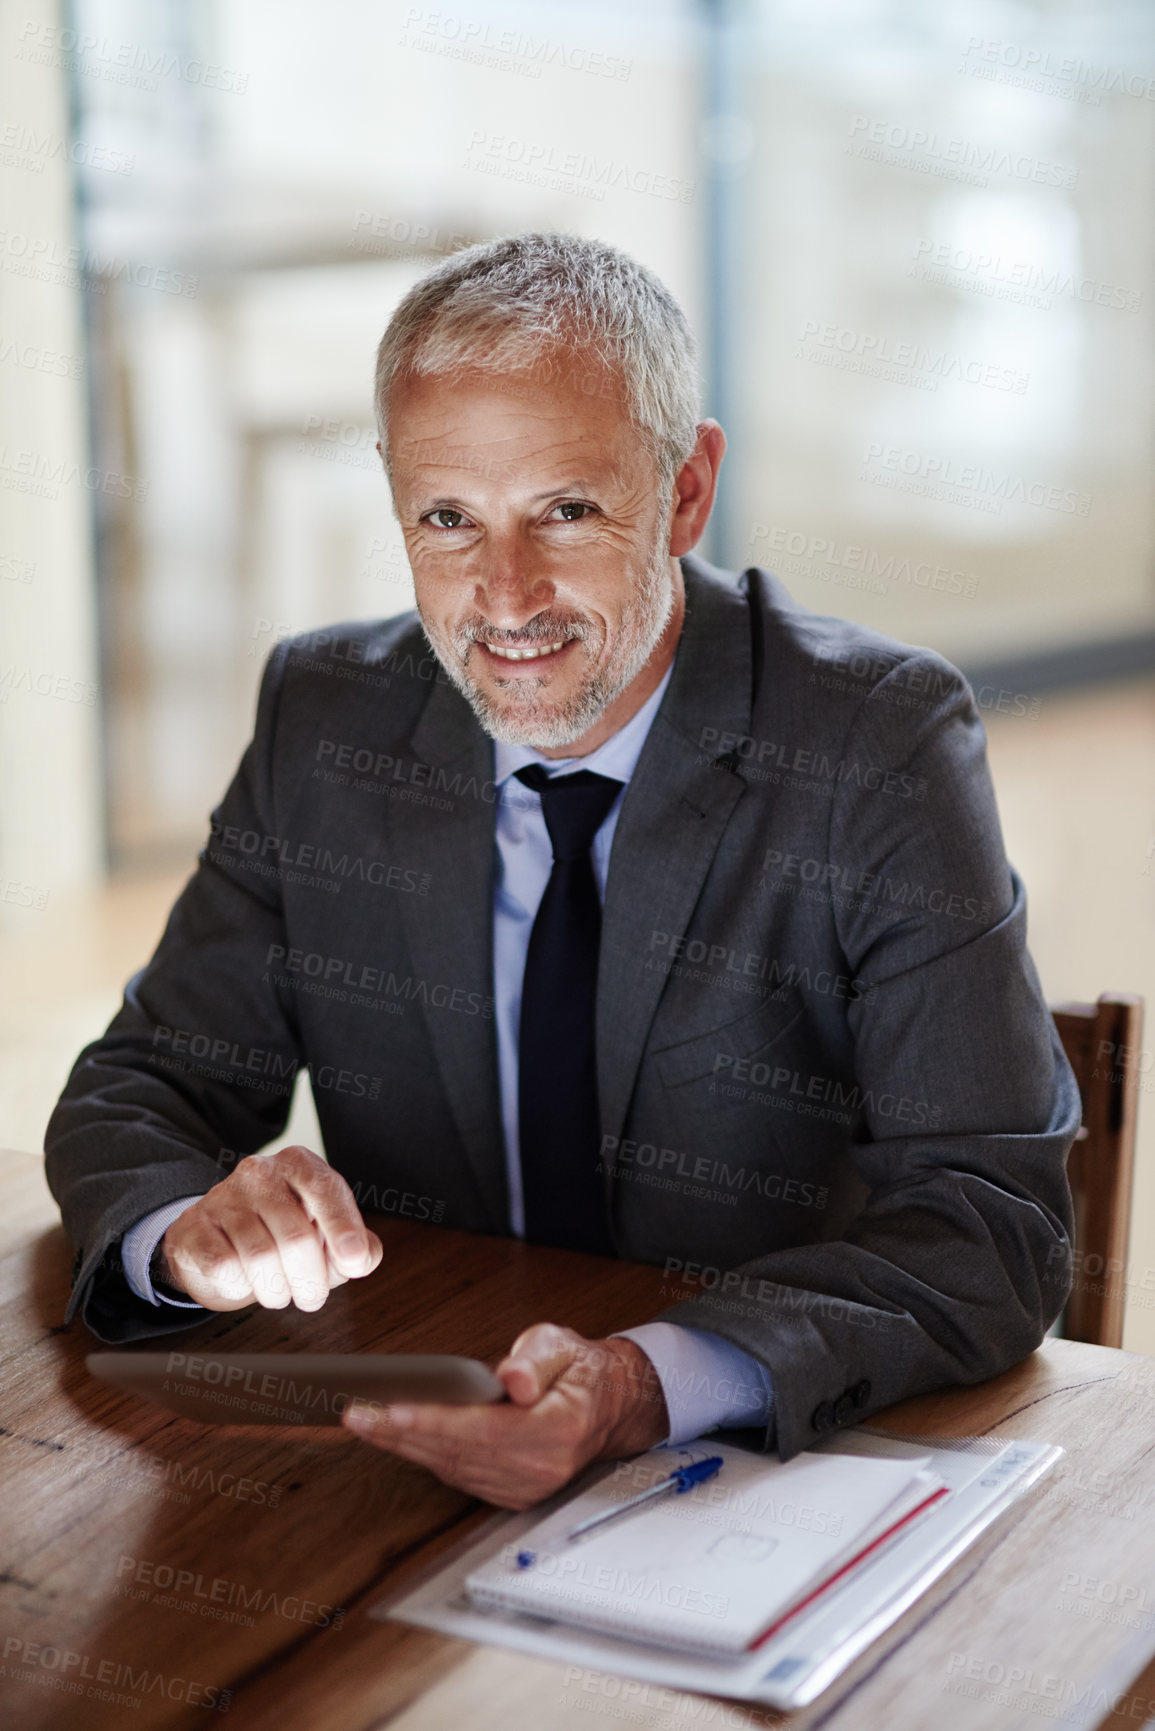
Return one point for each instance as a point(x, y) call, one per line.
point(559, 1128)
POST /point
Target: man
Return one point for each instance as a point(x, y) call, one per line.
point(645, 913)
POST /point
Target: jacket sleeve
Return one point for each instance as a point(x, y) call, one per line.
point(960, 1257)
point(201, 1057)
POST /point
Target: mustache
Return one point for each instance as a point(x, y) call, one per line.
point(543, 628)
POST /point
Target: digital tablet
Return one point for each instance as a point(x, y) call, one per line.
point(312, 1388)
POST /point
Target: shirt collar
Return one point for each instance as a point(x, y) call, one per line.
point(617, 756)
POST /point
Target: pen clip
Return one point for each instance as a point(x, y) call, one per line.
point(696, 1473)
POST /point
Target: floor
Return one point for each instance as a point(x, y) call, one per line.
point(1076, 788)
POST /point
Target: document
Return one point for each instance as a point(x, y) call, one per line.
point(714, 1568)
point(803, 1652)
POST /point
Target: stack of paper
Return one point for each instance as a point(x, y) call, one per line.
point(800, 1653)
point(717, 1568)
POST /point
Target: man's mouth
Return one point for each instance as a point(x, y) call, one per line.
point(531, 652)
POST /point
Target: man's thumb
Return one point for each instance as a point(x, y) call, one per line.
point(537, 1358)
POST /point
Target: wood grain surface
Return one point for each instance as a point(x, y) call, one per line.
point(156, 1572)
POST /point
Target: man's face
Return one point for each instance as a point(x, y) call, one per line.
point(537, 539)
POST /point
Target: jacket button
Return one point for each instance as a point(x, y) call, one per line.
point(822, 1417)
point(860, 1393)
point(843, 1409)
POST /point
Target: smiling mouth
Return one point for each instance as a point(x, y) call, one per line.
point(531, 653)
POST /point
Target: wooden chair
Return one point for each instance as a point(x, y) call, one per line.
point(1102, 1043)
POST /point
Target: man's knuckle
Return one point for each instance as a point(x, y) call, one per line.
point(301, 1159)
point(298, 1235)
point(215, 1262)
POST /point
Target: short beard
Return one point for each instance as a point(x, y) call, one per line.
point(552, 725)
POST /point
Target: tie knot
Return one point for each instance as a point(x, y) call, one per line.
point(574, 806)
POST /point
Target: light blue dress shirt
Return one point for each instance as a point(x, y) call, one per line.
point(707, 1382)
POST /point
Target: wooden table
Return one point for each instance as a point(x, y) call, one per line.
point(286, 1538)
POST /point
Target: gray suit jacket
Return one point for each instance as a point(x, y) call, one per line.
point(834, 1105)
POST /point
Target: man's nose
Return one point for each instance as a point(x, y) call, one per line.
point(511, 589)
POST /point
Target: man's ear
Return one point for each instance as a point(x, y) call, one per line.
point(695, 485)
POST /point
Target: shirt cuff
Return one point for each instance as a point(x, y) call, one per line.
point(138, 1244)
point(708, 1382)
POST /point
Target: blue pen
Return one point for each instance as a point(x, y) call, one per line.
point(681, 1480)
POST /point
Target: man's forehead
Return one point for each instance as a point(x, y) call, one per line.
point(488, 424)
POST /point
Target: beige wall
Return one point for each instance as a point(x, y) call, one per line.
point(50, 775)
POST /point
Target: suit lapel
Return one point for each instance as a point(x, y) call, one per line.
point(450, 931)
point(675, 811)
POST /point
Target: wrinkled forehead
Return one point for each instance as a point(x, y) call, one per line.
point(506, 425)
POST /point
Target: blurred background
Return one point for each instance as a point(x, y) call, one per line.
point(917, 246)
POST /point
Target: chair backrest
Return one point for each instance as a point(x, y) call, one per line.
point(1102, 1042)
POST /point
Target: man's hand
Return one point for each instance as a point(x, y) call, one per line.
point(283, 1228)
point(571, 1401)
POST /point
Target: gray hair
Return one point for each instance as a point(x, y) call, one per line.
point(509, 303)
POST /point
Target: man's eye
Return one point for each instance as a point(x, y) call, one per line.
point(444, 511)
point(573, 510)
